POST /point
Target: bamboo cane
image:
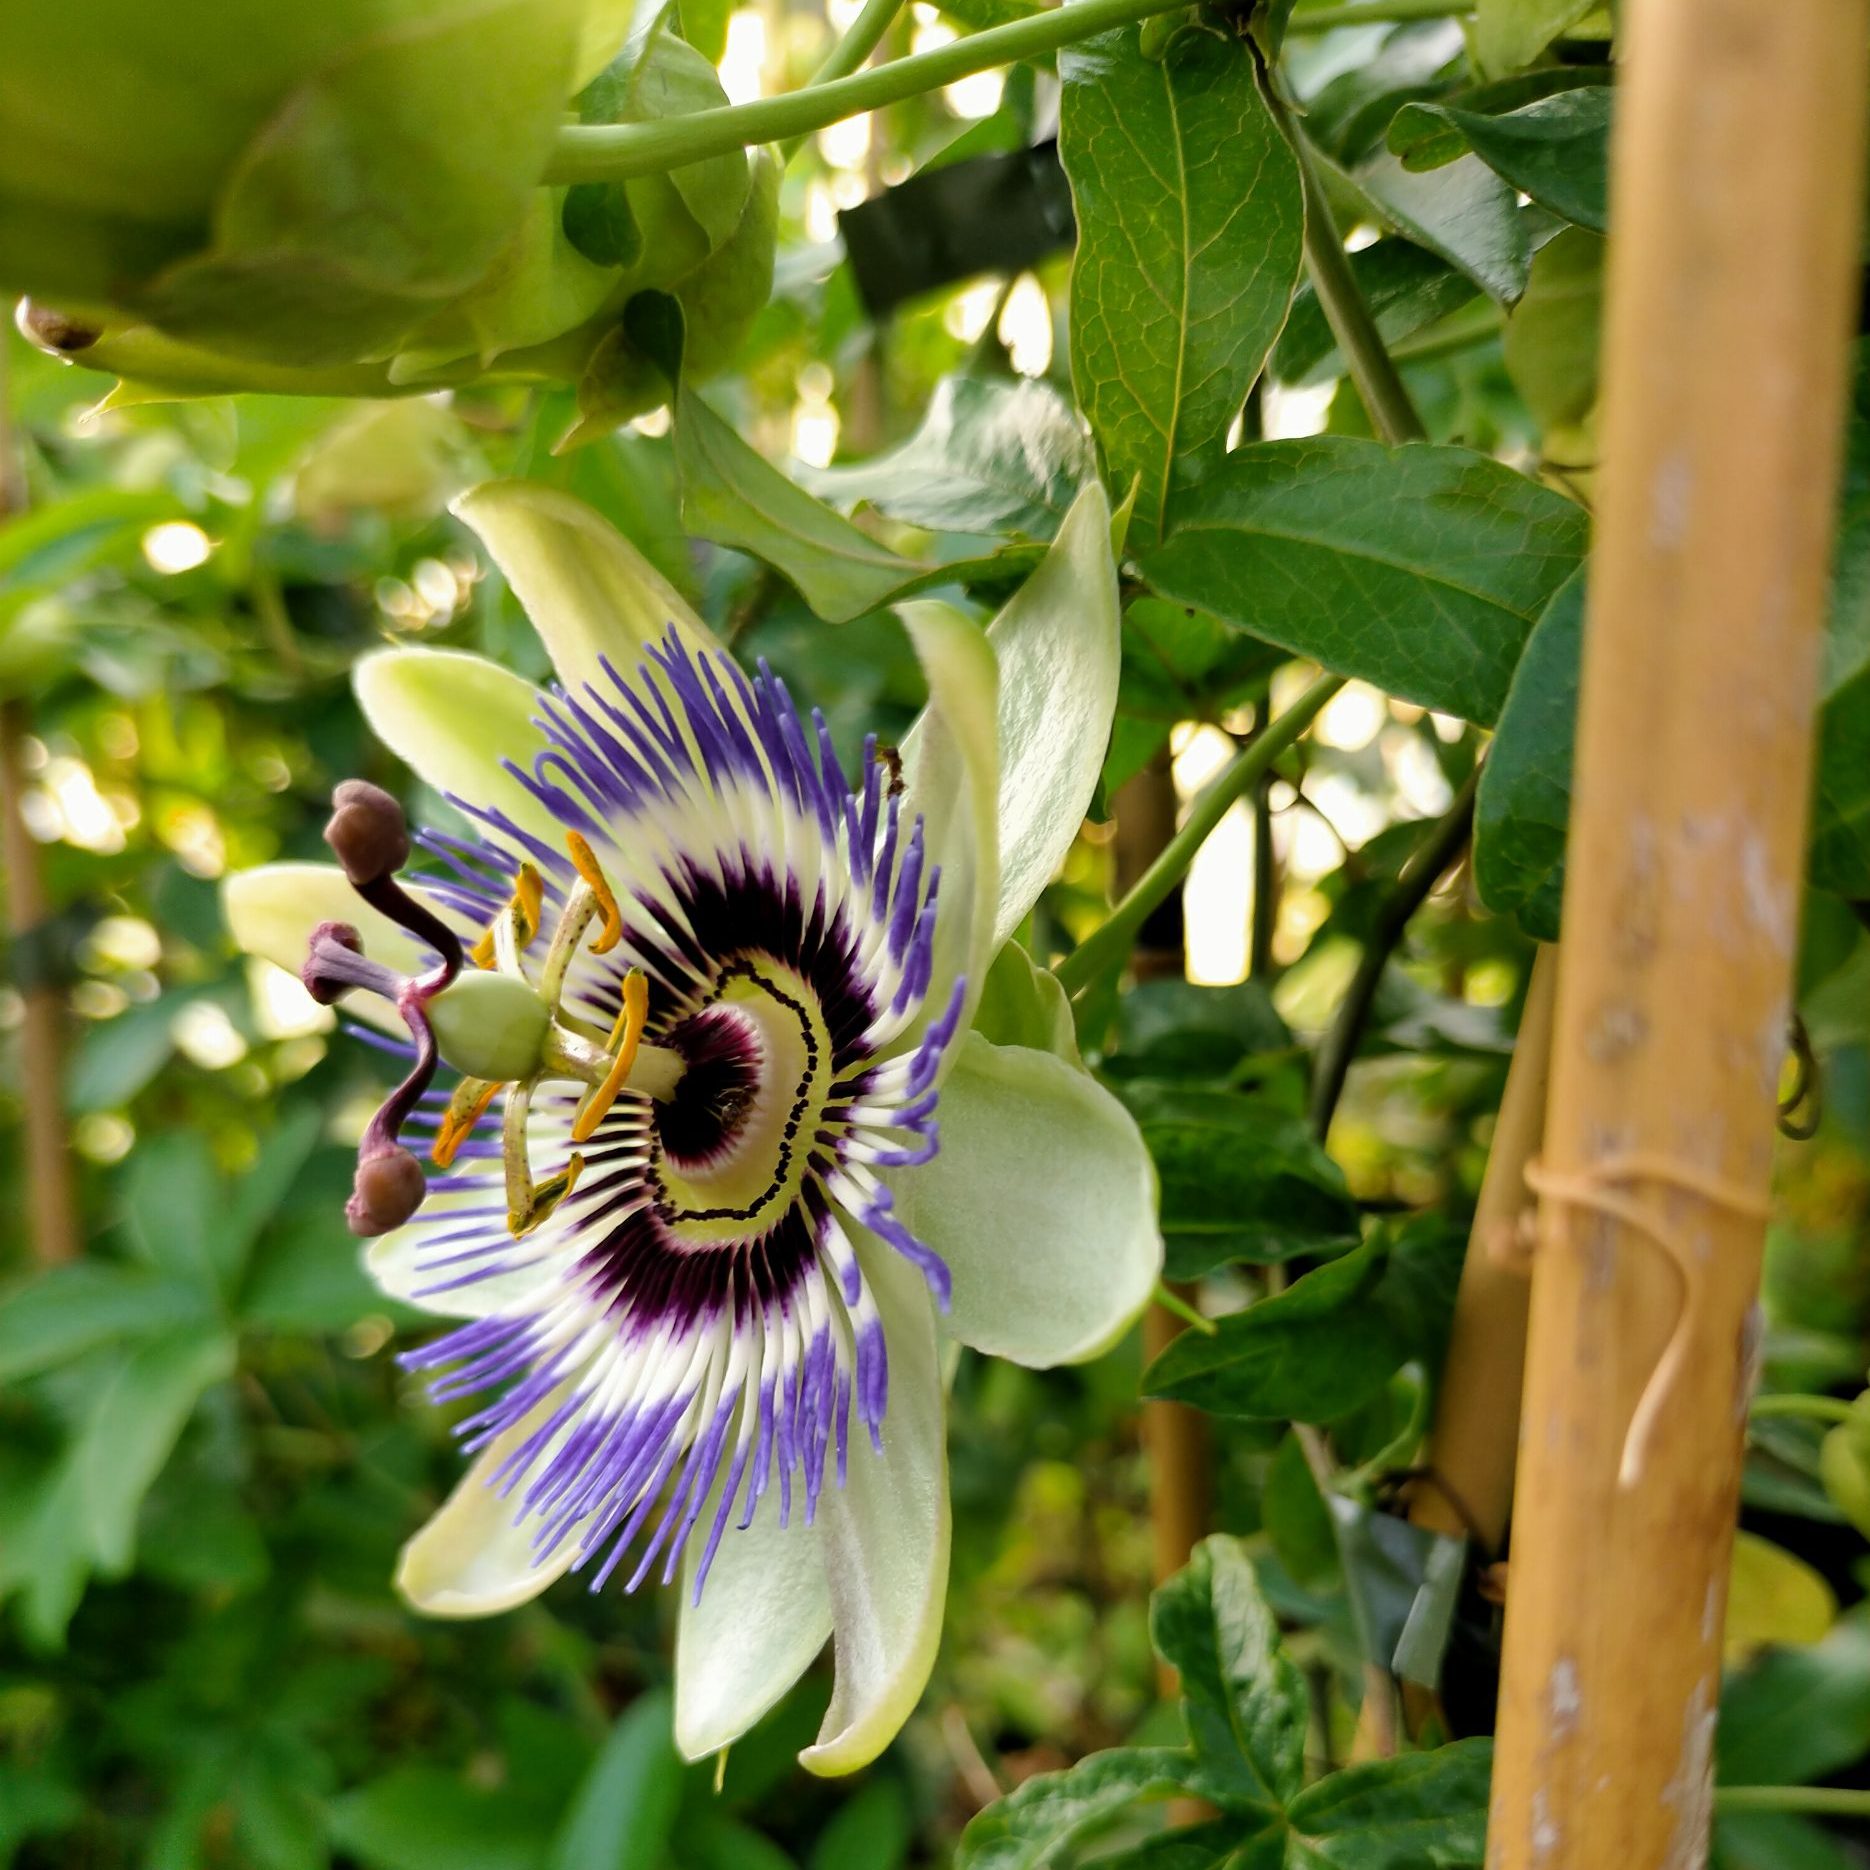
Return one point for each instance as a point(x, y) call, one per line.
point(1476, 1431)
point(1737, 162)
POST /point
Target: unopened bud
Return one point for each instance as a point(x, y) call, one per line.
point(388, 1190)
point(368, 833)
point(54, 331)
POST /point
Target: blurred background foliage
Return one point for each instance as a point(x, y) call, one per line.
point(208, 1454)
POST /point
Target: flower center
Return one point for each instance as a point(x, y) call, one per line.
point(735, 1136)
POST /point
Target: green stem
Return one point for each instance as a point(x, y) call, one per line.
point(1172, 1302)
point(1819, 1408)
point(850, 53)
point(1107, 944)
point(1372, 13)
point(1366, 357)
point(1814, 1801)
point(1425, 868)
point(616, 152)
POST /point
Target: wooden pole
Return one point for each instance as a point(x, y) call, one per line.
point(1476, 1434)
point(1736, 169)
point(47, 1160)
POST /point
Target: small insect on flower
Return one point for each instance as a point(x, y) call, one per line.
point(723, 1144)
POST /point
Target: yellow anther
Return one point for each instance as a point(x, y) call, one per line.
point(523, 906)
point(465, 1109)
point(587, 867)
point(545, 1198)
point(625, 1037)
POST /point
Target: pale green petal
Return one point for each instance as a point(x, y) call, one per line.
point(951, 771)
point(886, 1537)
point(1042, 1201)
point(471, 1560)
point(588, 590)
point(1026, 1005)
point(1058, 646)
point(272, 910)
point(454, 718)
point(764, 1614)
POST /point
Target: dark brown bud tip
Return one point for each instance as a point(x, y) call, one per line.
point(368, 834)
point(388, 1190)
point(53, 331)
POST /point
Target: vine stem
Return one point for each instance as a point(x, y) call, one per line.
point(1366, 356)
point(1420, 874)
point(1106, 945)
point(616, 152)
point(850, 53)
point(1372, 13)
point(1813, 1801)
point(1816, 1408)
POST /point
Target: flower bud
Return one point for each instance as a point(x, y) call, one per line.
point(388, 1190)
point(368, 833)
point(490, 1026)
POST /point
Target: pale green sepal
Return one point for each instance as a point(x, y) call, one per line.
point(272, 909)
point(886, 1536)
point(764, 1614)
point(1026, 1005)
point(1042, 1201)
point(589, 592)
point(1058, 647)
point(454, 719)
point(951, 777)
point(471, 1560)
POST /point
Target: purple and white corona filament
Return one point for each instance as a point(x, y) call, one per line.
point(691, 1326)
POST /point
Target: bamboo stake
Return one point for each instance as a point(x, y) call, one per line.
point(1736, 167)
point(50, 1197)
point(1476, 1431)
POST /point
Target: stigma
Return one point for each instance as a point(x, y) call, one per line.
point(477, 1010)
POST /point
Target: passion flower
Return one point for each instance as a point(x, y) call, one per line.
point(750, 1160)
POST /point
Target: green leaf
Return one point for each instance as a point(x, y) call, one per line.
point(1841, 794)
point(1512, 33)
point(871, 1830)
point(1040, 1824)
point(624, 1812)
point(1173, 1028)
point(54, 1316)
point(714, 1841)
point(1551, 339)
point(1421, 1811)
point(1776, 1841)
point(1797, 1715)
point(1190, 225)
point(1298, 1521)
point(1406, 287)
point(1844, 1465)
point(990, 456)
point(258, 1195)
point(422, 1818)
point(138, 1418)
point(172, 1203)
point(1236, 1843)
point(1524, 801)
point(1463, 211)
point(1555, 149)
point(1420, 569)
point(117, 1057)
point(1309, 1354)
point(1243, 1698)
point(1240, 1179)
point(732, 494)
